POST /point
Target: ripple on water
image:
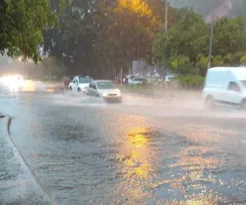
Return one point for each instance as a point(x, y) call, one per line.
point(127, 161)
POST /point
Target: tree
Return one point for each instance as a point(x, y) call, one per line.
point(22, 24)
point(202, 64)
point(181, 64)
point(188, 37)
point(243, 60)
point(127, 29)
point(73, 42)
point(217, 61)
point(229, 36)
point(51, 67)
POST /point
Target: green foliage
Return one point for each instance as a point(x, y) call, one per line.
point(229, 36)
point(22, 24)
point(217, 61)
point(228, 59)
point(243, 60)
point(182, 39)
point(52, 67)
point(100, 37)
point(202, 64)
point(191, 81)
point(189, 37)
point(180, 64)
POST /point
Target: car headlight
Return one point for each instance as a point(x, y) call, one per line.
point(118, 92)
point(104, 94)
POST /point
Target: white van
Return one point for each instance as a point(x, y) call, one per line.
point(225, 85)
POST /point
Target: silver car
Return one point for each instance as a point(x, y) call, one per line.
point(104, 89)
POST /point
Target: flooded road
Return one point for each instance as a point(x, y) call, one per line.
point(139, 152)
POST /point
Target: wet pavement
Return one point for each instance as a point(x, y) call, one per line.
point(142, 151)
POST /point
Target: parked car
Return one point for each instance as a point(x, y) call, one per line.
point(169, 78)
point(225, 85)
point(138, 81)
point(67, 80)
point(104, 89)
point(80, 83)
point(130, 78)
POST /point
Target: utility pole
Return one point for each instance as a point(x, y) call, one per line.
point(121, 76)
point(166, 15)
point(211, 36)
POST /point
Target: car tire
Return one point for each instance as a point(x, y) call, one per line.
point(209, 102)
point(79, 90)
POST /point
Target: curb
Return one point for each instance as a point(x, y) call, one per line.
point(46, 195)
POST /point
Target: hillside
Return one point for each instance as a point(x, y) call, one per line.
point(229, 8)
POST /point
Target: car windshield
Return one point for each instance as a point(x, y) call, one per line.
point(85, 80)
point(105, 85)
point(138, 79)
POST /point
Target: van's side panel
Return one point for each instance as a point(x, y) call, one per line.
point(216, 83)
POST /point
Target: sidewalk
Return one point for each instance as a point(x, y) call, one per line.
point(17, 184)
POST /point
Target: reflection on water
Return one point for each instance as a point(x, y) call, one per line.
point(138, 148)
point(188, 169)
point(137, 160)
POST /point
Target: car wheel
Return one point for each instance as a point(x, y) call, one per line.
point(243, 104)
point(209, 102)
point(79, 90)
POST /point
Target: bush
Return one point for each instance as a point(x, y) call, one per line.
point(191, 81)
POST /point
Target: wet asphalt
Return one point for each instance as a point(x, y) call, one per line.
point(67, 150)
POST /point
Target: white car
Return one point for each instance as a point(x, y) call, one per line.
point(104, 89)
point(130, 78)
point(137, 81)
point(80, 83)
point(225, 85)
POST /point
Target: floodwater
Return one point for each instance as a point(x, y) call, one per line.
point(142, 151)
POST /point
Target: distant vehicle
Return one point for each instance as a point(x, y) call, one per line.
point(169, 78)
point(13, 82)
point(104, 89)
point(130, 78)
point(138, 81)
point(225, 85)
point(80, 83)
point(67, 81)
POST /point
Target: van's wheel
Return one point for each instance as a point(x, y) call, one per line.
point(209, 102)
point(243, 104)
